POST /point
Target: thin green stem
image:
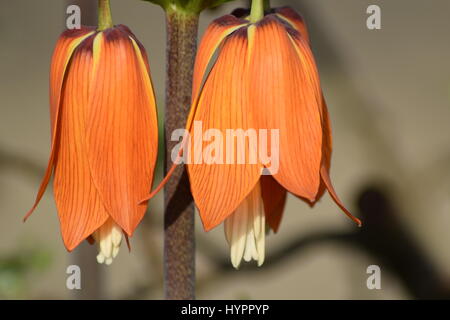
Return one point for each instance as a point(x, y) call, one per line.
point(104, 15)
point(257, 10)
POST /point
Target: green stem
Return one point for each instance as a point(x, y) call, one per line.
point(257, 10)
point(179, 232)
point(104, 15)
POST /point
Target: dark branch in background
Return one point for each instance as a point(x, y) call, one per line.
point(24, 165)
point(383, 236)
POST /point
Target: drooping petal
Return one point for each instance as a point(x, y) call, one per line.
point(293, 19)
point(325, 167)
point(285, 87)
point(214, 35)
point(121, 126)
point(327, 147)
point(218, 188)
point(67, 43)
point(274, 199)
point(325, 181)
point(79, 206)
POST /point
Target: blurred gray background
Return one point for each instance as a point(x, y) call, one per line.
point(388, 93)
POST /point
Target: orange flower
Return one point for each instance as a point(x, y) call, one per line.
point(264, 77)
point(104, 136)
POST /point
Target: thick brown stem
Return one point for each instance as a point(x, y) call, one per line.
point(179, 239)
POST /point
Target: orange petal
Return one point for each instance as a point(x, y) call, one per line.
point(326, 148)
point(142, 50)
point(325, 168)
point(121, 124)
point(274, 198)
point(327, 181)
point(294, 20)
point(67, 43)
point(284, 97)
point(214, 35)
point(218, 189)
point(80, 209)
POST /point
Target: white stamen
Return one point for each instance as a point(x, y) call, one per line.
point(245, 230)
point(108, 238)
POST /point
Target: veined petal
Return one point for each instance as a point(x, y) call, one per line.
point(274, 199)
point(307, 59)
point(121, 126)
point(285, 87)
point(327, 148)
point(218, 188)
point(294, 20)
point(325, 181)
point(66, 45)
point(214, 35)
point(325, 167)
point(80, 209)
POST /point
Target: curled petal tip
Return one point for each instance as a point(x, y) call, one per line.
point(144, 201)
point(162, 183)
point(326, 179)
